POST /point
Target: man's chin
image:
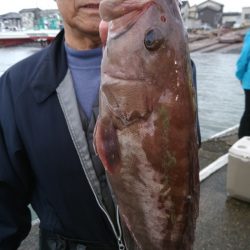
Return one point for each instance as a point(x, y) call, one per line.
point(90, 28)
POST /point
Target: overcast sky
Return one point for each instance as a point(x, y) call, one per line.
point(16, 5)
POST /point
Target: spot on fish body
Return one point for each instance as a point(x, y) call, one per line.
point(163, 19)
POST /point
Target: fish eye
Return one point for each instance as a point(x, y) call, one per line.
point(153, 39)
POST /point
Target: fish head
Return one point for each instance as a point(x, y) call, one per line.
point(143, 56)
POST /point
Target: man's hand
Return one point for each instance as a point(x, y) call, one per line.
point(103, 30)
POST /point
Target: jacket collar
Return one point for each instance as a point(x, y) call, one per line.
point(50, 69)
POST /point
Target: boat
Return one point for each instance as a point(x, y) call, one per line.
point(14, 38)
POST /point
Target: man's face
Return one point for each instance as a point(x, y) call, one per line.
point(80, 16)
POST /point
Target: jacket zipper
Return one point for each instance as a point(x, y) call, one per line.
point(82, 160)
point(120, 243)
point(119, 234)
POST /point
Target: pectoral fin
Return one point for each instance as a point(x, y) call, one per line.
point(106, 145)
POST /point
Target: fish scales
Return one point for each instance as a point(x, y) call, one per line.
point(146, 134)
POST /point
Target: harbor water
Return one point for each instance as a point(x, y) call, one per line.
point(220, 96)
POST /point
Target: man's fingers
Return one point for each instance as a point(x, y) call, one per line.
point(103, 29)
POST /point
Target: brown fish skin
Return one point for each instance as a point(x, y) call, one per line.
point(146, 131)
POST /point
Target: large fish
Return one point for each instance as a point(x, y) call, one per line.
point(146, 131)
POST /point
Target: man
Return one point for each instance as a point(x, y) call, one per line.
point(47, 115)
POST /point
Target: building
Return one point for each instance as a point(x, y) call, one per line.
point(30, 17)
point(190, 16)
point(206, 15)
point(210, 13)
point(245, 16)
point(185, 11)
point(35, 18)
point(231, 19)
point(51, 19)
point(11, 21)
point(1, 26)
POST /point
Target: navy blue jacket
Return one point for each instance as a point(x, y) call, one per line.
point(38, 160)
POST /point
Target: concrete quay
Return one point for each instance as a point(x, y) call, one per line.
point(224, 222)
point(221, 41)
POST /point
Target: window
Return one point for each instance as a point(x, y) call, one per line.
point(247, 16)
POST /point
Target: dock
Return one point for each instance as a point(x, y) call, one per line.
point(223, 223)
point(222, 41)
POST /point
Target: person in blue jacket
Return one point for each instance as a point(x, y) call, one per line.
point(48, 110)
point(243, 74)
